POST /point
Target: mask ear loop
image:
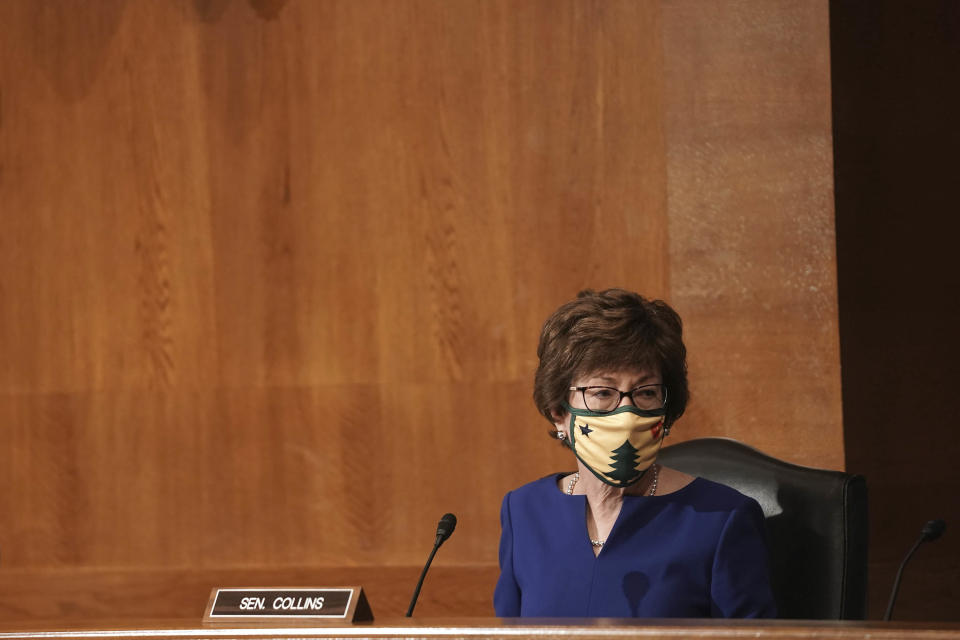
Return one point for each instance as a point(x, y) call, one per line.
point(562, 436)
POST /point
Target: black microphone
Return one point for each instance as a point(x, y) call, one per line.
point(931, 531)
point(444, 528)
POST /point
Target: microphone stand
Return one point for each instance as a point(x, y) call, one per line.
point(931, 531)
point(444, 530)
point(423, 574)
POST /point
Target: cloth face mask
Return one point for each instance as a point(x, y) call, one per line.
point(618, 447)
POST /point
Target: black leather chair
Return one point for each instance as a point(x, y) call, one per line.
point(816, 524)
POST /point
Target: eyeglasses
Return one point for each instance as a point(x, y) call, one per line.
point(606, 399)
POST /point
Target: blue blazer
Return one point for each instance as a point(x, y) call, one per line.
point(697, 552)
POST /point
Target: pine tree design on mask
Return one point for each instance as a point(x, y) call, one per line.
point(624, 463)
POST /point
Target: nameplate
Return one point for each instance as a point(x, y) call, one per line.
point(339, 604)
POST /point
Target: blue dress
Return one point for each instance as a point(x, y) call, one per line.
point(695, 553)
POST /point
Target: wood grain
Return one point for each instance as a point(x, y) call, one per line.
point(267, 274)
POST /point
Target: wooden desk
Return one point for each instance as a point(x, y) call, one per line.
point(516, 628)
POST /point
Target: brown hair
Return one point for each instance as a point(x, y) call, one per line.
point(607, 331)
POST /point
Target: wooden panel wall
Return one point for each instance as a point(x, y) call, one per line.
point(896, 144)
point(272, 272)
point(752, 246)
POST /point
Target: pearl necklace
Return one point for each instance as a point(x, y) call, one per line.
point(652, 491)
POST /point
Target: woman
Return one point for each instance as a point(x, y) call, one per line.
point(624, 536)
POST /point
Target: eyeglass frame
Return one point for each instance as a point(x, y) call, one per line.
point(583, 394)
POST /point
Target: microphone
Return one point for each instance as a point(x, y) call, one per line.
point(444, 529)
point(932, 530)
point(446, 526)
